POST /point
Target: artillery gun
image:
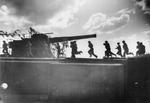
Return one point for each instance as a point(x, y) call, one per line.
point(81, 80)
point(40, 45)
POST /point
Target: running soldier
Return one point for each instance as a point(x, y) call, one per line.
point(139, 49)
point(74, 48)
point(108, 52)
point(126, 49)
point(91, 51)
point(142, 49)
point(119, 52)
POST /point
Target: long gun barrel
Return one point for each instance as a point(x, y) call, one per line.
point(60, 39)
point(48, 33)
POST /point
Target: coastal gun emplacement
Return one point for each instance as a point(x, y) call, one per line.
point(40, 45)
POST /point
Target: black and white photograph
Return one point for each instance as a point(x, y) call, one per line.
point(74, 51)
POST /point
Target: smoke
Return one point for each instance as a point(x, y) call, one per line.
point(143, 10)
point(11, 23)
point(38, 11)
point(17, 33)
point(104, 23)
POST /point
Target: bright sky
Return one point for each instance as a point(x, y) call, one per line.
point(112, 20)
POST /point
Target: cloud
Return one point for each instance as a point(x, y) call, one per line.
point(39, 11)
point(144, 4)
point(103, 23)
point(66, 17)
point(10, 22)
point(43, 16)
point(147, 33)
point(143, 10)
point(62, 19)
point(126, 11)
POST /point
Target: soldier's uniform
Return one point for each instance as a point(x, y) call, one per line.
point(91, 51)
point(74, 49)
point(5, 48)
point(108, 52)
point(142, 49)
point(126, 49)
point(139, 49)
point(119, 52)
point(58, 50)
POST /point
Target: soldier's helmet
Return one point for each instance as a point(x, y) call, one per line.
point(106, 42)
point(138, 42)
point(123, 41)
point(89, 41)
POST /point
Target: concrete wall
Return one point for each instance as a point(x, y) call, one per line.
point(138, 79)
point(63, 80)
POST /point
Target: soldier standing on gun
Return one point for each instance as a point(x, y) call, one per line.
point(119, 52)
point(126, 49)
point(91, 51)
point(5, 48)
point(108, 50)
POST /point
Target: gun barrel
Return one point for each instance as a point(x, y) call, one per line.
point(49, 33)
point(60, 39)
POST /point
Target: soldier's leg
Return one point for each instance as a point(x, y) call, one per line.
point(73, 56)
point(112, 53)
point(7, 51)
point(4, 51)
point(124, 54)
point(121, 54)
point(90, 53)
point(107, 53)
point(131, 53)
point(94, 54)
point(137, 53)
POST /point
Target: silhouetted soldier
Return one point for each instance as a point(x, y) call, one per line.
point(74, 49)
point(29, 49)
point(108, 52)
point(142, 49)
point(32, 31)
point(91, 51)
point(119, 52)
point(5, 48)
point(126, 49)
point(139, 48)
point(58, 50)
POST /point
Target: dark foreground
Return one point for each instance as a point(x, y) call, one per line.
point(75, 80)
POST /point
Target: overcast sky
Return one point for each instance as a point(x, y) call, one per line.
point(112, 20)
